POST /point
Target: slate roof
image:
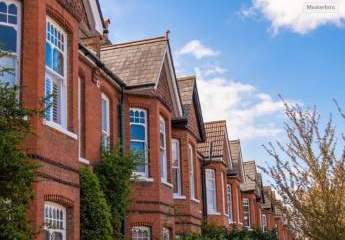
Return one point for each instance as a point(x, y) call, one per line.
point(186, 87)
point(136, 63)
point(250, 176)
point(235, 148)
point(216, 134)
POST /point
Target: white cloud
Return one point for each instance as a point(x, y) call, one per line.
point(295, 15)
point(250, 114)
point(213, 70)
point(198, 50)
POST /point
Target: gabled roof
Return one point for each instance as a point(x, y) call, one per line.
point(191, 103)
point(216, 141)
point(137, 63)
point(140, 63)
point(250, 177)
point(94, 16)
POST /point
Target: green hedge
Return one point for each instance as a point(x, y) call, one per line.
point(211, 232)
point(95, 215)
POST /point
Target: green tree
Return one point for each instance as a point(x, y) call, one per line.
point(115, 173)
point(309, 175)
point(17, 171)
point(95, 215)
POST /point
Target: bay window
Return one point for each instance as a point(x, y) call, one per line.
point(105, 122)
point(139, 139)
point(10, 41)
point(211, 191)
point(246, 213)
point(176, 166)
point(191, 171)
point(141, 233)
point(56, 74)
point(163, 150)
point(229, 197)
point(54, 221)
point(165, 234)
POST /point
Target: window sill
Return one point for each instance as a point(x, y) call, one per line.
point(58, 127)
point(167, 184)
point(84, 161)
point(195, 200)
point(179, 197)
point(214, 213)
point(139, 178)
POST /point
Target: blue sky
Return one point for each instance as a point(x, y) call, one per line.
point(248, 51)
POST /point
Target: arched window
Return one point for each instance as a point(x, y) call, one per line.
point(141, 233)
point(54, 221)
point(10, 40)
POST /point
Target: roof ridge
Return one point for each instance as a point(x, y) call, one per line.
point(216, 121)
point(186, 77)
point(135, 43)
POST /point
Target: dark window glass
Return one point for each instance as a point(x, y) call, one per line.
point(8, 38)
point(3, 17)
point(49, 55)
point(12, 19)
point(3, 7)
point(12, 9)
point(137, 132)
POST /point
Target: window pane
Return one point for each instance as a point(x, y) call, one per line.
point(3, 7)
point(49, 59)
point(12, 9)
point(56, 102)
point(8, 38)
point(8, 76)
point(105, 115)
point(3, 17)
point(137, 132)
point(12, 19)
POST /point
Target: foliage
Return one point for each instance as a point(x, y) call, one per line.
point(95, 215)
point(17, 172)
point(309, 175)
point(212, 232)
point(115, 172)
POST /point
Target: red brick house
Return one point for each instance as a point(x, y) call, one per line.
point(217, 161)
point(187, 133)
point(235, 176)
point(152, 101)
point(267, 210)
point(251, 196)
point(100, 94)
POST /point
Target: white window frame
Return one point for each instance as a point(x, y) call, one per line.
point(246, 203)
point(55, 206)
point(264, 222)
point(211, 177)
point(142, 229)
point(144, 174)
point(229, 198)
point(18, 28)
point(165, 233)
point(163, 150)
point(223, 189)
point(191, 172)
point(106, 131)
point(175, 144)
point(54, 76)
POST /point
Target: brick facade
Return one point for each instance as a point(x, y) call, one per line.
point(152, 85)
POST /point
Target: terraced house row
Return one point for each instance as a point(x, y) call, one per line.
point(126, 93)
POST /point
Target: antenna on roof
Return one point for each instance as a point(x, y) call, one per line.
point(167, 34)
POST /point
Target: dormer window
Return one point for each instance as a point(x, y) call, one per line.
point(10, 41)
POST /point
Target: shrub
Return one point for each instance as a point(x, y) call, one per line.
point(17, 171)
point(95, 215)
point(115, 173)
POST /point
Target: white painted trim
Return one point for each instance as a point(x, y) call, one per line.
point(214, 213)
point(60, 129)
point(96, 16)
point(140, 178)
point(167, 184)
point(179, 197)
point(84, 161)
point(195, 200)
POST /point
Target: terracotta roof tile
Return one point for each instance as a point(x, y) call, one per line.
point(136, 63)
point(216, 133)
point(250, 176)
